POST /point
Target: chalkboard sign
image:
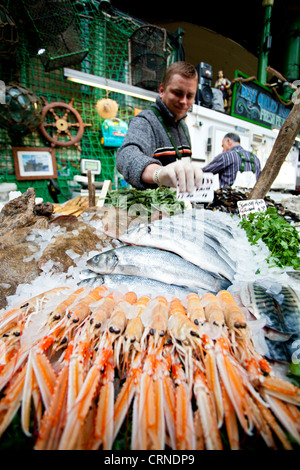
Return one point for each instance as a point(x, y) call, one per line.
point(255, 103)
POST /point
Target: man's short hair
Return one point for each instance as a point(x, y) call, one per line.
point(233, 137)
point(185, 69)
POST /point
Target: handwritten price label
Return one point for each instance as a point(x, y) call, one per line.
point(203, 194)
point(254, 205)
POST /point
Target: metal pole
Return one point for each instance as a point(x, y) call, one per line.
point(179, 49)
point(265, 45)
point(291, 68)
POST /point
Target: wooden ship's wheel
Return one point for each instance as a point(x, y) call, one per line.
point(62, 124)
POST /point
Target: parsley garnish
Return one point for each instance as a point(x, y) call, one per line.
point(282, 238)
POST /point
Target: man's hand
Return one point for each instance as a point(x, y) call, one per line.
point(188, 175)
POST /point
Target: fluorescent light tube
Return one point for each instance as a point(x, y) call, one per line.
point(107, 84)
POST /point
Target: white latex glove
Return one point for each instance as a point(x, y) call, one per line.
point(188, 175)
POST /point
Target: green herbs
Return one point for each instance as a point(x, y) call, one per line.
point(281, 238)
point(144, 202)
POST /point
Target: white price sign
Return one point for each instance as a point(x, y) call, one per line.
point(254, 205)
point(205, 193)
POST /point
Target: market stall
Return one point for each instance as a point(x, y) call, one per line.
point(138, 320)
point(144, 324)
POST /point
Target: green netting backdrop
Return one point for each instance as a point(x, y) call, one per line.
point(101, 45)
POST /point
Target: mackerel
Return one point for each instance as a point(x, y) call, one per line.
point(157, 264)
point(262, 304)
point(279, 351)
point(290, 309)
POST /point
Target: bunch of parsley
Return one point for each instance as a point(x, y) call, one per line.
point(282, 238)
point(150, 200)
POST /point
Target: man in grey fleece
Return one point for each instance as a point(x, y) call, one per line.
point(157, 148)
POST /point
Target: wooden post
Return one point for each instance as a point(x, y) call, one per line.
point(281, 148)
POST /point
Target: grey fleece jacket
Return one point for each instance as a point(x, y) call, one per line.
point(147, 142)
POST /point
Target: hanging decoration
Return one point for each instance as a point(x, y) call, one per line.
point(9, 38)
point(62, 124)
point(107, 108)
point(57, 30)
point(22, 111)
point(147, 51)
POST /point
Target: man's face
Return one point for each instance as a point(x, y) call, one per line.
point(227, 144)
point(179, 95)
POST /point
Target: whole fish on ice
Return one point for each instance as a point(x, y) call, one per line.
point(198, 229)
point(137, 284)
point(183, 243)
point(157, 264)
point(290, 309)
point(209, 221)
point(282, 318)
point(282, 351)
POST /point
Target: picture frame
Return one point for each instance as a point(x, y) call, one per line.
point(34, 163)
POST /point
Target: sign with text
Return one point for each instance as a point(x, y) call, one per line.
point(255, 103)
point(254, 205)
point(203, 194)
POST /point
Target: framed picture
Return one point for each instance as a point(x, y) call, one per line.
point(34, 163)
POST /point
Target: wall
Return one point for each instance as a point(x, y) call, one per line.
point(204, 45)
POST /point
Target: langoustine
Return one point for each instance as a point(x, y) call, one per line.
point(191, 362)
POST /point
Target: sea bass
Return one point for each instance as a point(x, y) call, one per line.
point(157, 264)
point(200, 231)
point(181, 242)
point(140, 285)
point(210, 221)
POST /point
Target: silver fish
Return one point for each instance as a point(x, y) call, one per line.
point(195, 229)
point(210, 221)
point(181, 242)
point(138, 284)
point(156, 264)
point(196, 225)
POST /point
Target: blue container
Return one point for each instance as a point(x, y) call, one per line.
point(113, 132)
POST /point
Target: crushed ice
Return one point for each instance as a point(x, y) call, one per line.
point(251, 265)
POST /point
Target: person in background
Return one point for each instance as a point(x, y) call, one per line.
point(228, 163)
point(157, 148)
